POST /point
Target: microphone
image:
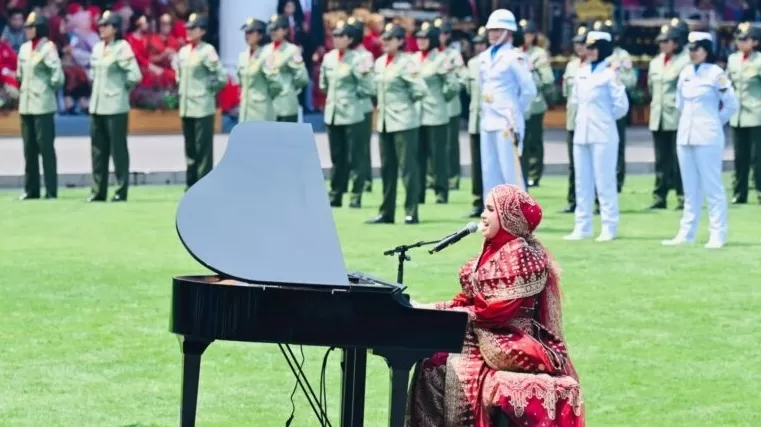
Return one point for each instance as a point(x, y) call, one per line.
point(455, 237)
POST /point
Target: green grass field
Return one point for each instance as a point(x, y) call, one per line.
point(660, 336)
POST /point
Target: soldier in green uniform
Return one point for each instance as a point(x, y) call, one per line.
point(364, 165)
point(622, 61)
point(744, 70)
point(114, 73)
point(662, 77)
point(533, 142)
point(399, 87)
point(293, 72)
point(573, 66)
point(200, 75)
point(437, 71)
point(259, 80)
point(345, 78)
point(473, 88)
point(40, 76)
point(455, 105)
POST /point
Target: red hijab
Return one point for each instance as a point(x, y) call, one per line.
point(519, 214)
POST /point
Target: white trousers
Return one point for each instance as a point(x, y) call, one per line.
point(700, 166)
point(499, 161)
point(595, 169)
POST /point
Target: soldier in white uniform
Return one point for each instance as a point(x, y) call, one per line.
point(600, 99)
point(706, 101)
point(507, 89)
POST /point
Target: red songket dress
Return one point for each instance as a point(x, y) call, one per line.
point(514, 358)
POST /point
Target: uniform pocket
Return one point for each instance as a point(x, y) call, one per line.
point(257, 97)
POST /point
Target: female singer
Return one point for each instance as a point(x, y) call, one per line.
point(514, 357)
point(706, 101)
point(600, 99)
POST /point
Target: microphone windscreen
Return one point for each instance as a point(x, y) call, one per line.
point(472, 227)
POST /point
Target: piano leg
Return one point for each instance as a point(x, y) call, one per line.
point(353, 387)
point(400, 363)
point(192, 349)
point(398, 400)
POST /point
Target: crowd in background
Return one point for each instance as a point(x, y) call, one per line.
point(155, 30)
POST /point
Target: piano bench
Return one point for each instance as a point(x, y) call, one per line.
point(539, 396)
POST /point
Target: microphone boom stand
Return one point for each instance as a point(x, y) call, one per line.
point(401, 251)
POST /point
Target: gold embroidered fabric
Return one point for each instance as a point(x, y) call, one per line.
point(524, 346)
point(521, 388)
point(517, 270)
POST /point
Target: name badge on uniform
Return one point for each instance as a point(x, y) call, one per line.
point(254, 66)
point(36, 57)
point(488, 98)
point(344, 68)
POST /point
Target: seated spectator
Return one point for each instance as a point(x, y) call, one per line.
point(163, 47)
point(14, 33)
point(138, 38)
point(8, 83)
point(410, 41)
point(76, 50)
point(181, 12)
point(298, 26)
point(81, 36)
point(76, 90)
point(373, 30)
point(151, 91)
point(57, 29)
point(162, 50)
point(94, 12)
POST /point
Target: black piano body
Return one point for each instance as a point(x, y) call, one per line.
point(271, 288)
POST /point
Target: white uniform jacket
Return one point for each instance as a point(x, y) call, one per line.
point(507, 89)
point(600, 99)
point(706, 101)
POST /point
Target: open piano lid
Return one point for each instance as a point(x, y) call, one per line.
point(262, 214)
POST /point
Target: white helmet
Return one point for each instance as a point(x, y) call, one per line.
point(502, 19)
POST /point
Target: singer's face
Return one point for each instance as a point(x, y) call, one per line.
point(489, 220)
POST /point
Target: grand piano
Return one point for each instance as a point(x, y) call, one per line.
point(262, 222)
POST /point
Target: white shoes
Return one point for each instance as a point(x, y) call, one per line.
point(577, 235)
point(606, 236)
point(677, 241)
point(714, 244)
